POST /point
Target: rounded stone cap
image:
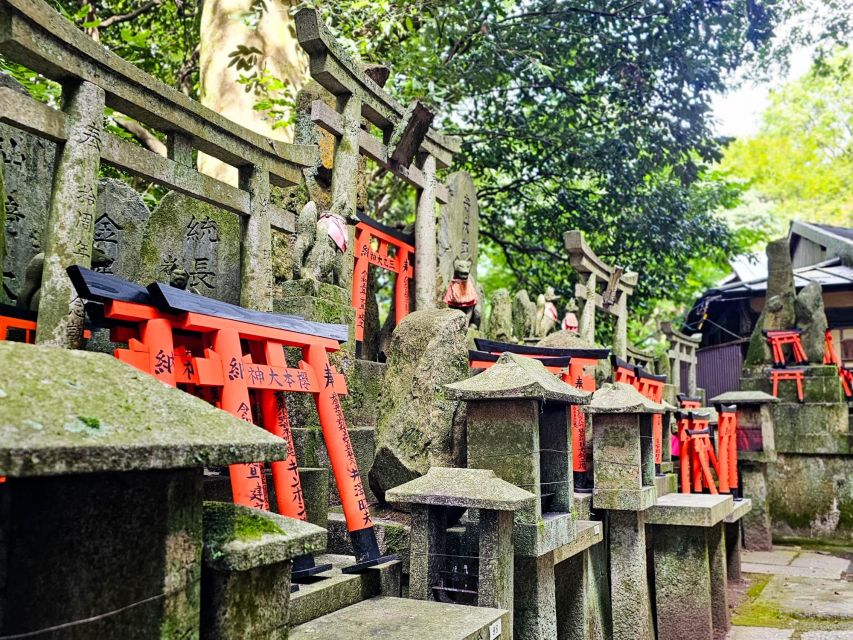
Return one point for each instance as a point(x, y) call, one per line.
point(618, 397)
point(65, 411)
point(457, 487)
point(514, 377)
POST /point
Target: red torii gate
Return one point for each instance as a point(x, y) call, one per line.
point(401, 263)
point(224, 353)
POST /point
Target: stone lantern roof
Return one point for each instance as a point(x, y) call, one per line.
point(744, 397)
point(618, 397)
point(469, 488)
point(515, 377)
point(64, 411)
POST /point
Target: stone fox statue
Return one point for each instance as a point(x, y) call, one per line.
point(321, 241)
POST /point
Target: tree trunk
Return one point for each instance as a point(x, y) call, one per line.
point(224, 28)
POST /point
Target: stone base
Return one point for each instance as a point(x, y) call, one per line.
point(629, 585)
point(623, 500)
point(333, 590)
point(536, 539)
point(666, 484)
point(535, 608)
point(589, 533)
point(690, 510)
point(404, 619)
point(757, 534)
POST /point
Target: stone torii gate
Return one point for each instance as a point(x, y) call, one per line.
point(613, 300)
point(409, 148)
point(682, 349)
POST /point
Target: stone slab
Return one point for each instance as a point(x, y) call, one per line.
point(64, 411)
point(809, 597)
point(583, 506)
point(588, 533)
point(759, 633)
point(827, 635)
point(622, 500)
point(536, 539)
point(689, 509)
point(739, 509)
point(404, 619)
point(821, 561)
point(778, 556)
point(666, 484)
point(333, 590)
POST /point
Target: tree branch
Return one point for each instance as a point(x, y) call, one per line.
point(143, 135)
point(126, 17)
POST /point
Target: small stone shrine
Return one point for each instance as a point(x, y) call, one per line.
point(479, 572)
point(517, 414)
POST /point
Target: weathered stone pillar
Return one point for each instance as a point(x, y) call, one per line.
point(620, 331)
point(629, 585)
point(682, 583)
point(757, 532)
point(733, 549)
point(425, 240)
point(426, 543)
point(496, 570)
point(256, 281)
point(719, 576)
point(72, 217)
point(535, 601)
point(586, 323)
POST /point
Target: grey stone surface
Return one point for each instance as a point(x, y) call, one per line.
point(623, 463)
point(499, 325)
point(743, 397)
point(535, 598)
point(517, 377)
point(827, 635)
point(416, 425)
point(458, 228)
point(183, 233)
point(618, 397)
point(757, 533)
point(238, 538)
point(587, 534)
point(523, 314)
point(470, 488)
point(683, 599)
point(396, 618)
point(246, 571)
point(759, 633)
point(72, 214)
point(629, 586)
point(689, 509)
point(811, 320)
point(718, 559)
point(734, 546)
point(28, 163)
point(809, 597)
point(739, 509)
point(75, 546)
point(64, 411)
point(120, 220)
point(339, 590)
point(580, 588)
point(778, 312)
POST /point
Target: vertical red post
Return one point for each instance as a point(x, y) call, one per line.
point(359, 279)
point(247, 480)
point(401, 285)
point(342, 458)
point(156, 335)
point(576, 377)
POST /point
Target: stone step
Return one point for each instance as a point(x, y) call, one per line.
point(334, 590)
point(404, 619)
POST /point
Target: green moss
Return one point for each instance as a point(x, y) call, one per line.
point(92, 423)
point(754, 612)
point(222, 524)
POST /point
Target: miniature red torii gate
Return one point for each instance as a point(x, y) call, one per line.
point(368, 231)
point(167, 329)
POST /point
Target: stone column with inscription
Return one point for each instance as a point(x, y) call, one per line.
point(72, 217)
point(425, 241)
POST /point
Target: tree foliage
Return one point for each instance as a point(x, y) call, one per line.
point(801, 160)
